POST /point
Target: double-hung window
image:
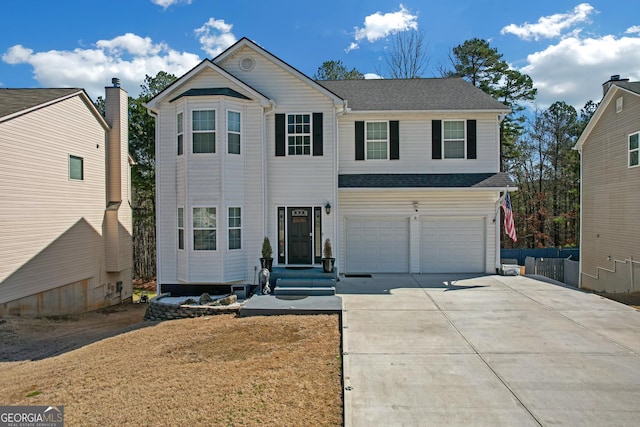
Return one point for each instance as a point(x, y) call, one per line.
point(204, 131)
point(235, 228)
point(634, 150)
point(377, 140)
point(76, 168)
point(180, 228)
point(204, 229)
point(233, 132)
point(180, 133)
point(299, 134)
point(453, 139)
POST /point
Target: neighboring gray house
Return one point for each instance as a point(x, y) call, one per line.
point(610, 191)
point(403, 176)
point(65, 215)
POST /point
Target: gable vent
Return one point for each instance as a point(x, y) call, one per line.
point(247, 63)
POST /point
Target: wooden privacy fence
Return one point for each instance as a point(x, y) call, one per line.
point(560, 269)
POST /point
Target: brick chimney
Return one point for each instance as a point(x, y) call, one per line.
point(614, 79)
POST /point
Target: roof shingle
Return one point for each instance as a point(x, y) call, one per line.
point(425, 180)
point(15, 100)
point(435, 94)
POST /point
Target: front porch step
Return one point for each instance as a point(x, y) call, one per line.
point(305, 282)
point(303, 290)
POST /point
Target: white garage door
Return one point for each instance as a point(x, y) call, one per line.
point(453, 245)
point(377, 245)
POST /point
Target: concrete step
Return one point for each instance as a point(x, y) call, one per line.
point(301, 290)
point(304, 282)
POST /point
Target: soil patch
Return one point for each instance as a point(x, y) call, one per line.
point(631, 298)
point(215, 370)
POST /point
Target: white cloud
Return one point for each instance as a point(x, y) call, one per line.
point(550, 26)
point(574, 69)
point(129, 57)
point(166, 3)
point(633, 30)
point(215, 36)
point(372, 76)
point(378, 26)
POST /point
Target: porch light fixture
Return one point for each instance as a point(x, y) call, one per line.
point(415, 206)
point(327, 208)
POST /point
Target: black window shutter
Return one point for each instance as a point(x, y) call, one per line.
point(280, 135)
point(394, 130)
point(359, 140)
point(471, 139)
point(317, 134)
point(436, 139)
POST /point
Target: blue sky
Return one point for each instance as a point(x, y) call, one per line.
point(569, 48)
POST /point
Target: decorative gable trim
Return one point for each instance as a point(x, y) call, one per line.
point(193, 73)
point(269, 56)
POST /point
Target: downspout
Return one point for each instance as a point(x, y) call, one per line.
point(336, 204)
point(265, 209)
point(158, 257)
point(581, 226)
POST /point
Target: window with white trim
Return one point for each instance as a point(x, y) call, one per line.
point(204, 131)
point(634, 150)
point(235, 228)
point(377, 140)
point(299, 134)
point(204, 229)
point(453, 139)
point(76, 168)
point(233, 132)
point(181, 228)
point(180, 132)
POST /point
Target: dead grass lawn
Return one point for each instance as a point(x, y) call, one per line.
point(210, 371)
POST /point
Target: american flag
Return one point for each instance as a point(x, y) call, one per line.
point(509, 227)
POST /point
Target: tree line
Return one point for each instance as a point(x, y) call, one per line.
point(536, 146)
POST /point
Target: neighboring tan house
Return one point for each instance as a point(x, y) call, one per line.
point(65, 215)
point(403, 176)
point(610, 191)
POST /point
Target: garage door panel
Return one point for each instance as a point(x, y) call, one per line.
point(453, 245)
point(377, 245)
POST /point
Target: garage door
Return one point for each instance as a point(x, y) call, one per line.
point(377, 245)
point(453, 245)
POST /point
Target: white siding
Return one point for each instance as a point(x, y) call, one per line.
point(431, 203)
point(415, 146)
point(219, 180)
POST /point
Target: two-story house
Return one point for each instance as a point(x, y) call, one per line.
point(65, 213)
point(610, 191)
point(401, 175)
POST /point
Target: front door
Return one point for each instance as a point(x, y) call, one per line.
point(300, 235)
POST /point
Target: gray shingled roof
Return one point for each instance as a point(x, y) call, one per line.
point(226, 91)
point(428, 180)
point(15, 100)
point(437, 94)
point(632, 86)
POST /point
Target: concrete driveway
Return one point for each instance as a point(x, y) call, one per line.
point(456, 350)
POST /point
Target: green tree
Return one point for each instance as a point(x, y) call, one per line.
point(336, 70)
point(143, 174)
point(482, 65)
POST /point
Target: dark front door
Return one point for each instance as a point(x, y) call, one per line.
point(300, 236)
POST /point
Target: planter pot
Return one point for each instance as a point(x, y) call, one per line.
point(327, 264)
point(266, 263)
